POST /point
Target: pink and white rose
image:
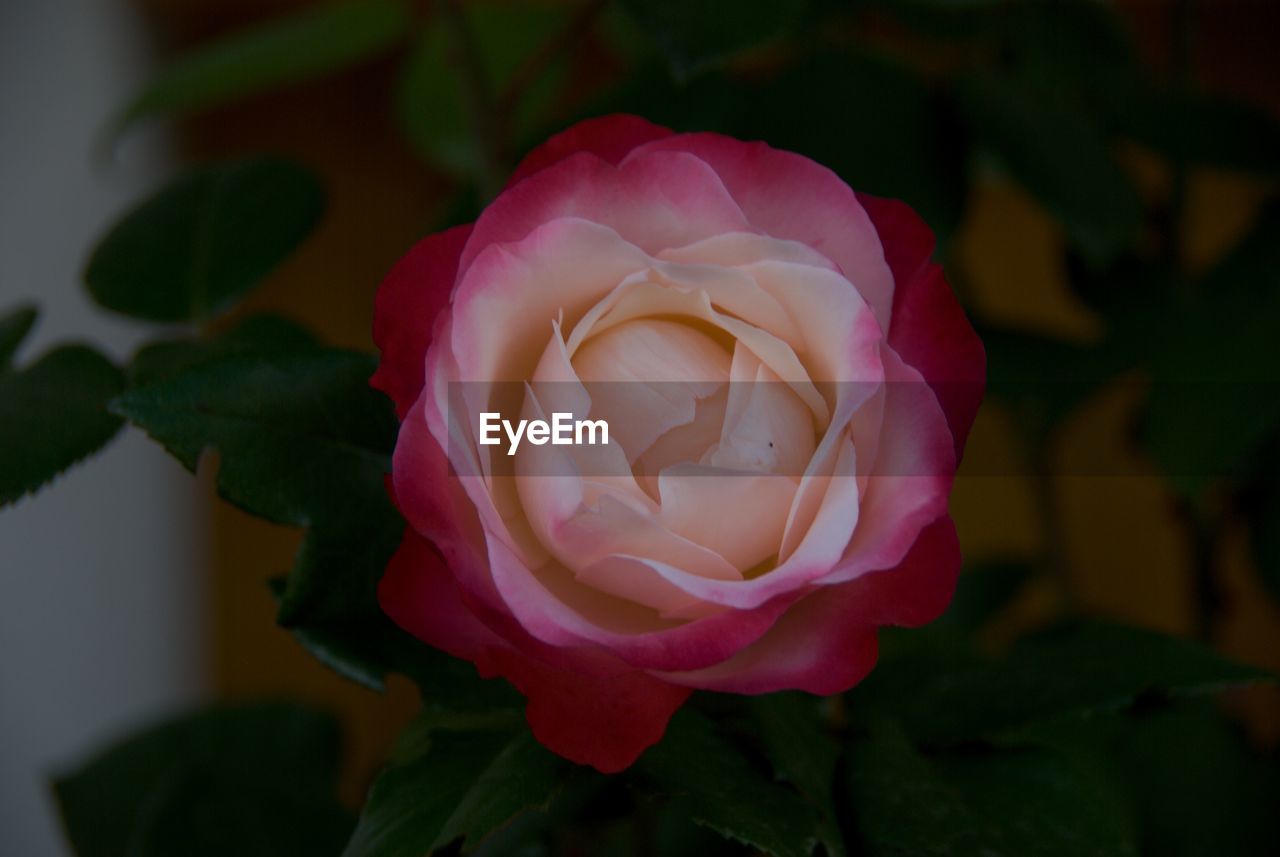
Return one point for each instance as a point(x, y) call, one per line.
point(745, 537)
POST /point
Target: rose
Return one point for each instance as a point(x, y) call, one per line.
point(621, 250)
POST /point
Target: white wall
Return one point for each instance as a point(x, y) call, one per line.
point(102, 574)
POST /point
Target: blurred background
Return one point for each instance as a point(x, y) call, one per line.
point(1097, 173)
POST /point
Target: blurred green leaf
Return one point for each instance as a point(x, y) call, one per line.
point(449, 783)
point(235, 779)
point(432, 109)
point(191, 250)
point(53, 412)
point(984, 589)
point(914, 150)
point(677, 836)
point(1215, 394)
point(309, 43)
point(14, 327)
point(708, 102)
point(791, 728)
point(1059, 155)
point(1129, 294)
point(1195, 128)
point(1042, 378)
point(710, 781)
point(1068, 46)
point(1019, 802)
point(947, 19)
point(1200, 787)
point(696, 34)
point(1262, 512)
point(1081, 50)
point(1066, 673)
point(1194, 784)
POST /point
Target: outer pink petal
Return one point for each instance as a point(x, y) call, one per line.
point(606, 723)
point(909, 480)
point(602, 718)
point(929, 327)
point(405, 310)
point(660, 200)
point(826, 643)
point(786, 195)
point(609, 138)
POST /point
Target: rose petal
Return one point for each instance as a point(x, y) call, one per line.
point(826, 643)
point(665, 199)
point(582, 705)
point(610, 138)
point(929, 330)
point(509, 298)
point(909, 479)
point(788, 196)
point(646, 376)
point(405, 311)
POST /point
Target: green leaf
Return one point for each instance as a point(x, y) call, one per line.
point(201, 243)
point(310, 43)
point(696, 34)
point(1020, 803)
point(1128, 295)
point(1067, 673)
point(983, 591)
point(1195, 128)
point(1193, 781)
point(1261, 502)
point(710, 102)
point(1044, 378)
point(1214, 386)
point(337, 619)
point(947, 19)
point(1200, 787)
point(304, 441)
point(446, 784)
point(1078, 46)
point(236, 779)
point(710, 781)
point(790, 726)
point(53, 412)
point(273, 417)
point(255, 336)
point(915, 150)
point(360, 643)
point(363, 646)
point(14, 327)
point(1055, 151)
point(431, 107)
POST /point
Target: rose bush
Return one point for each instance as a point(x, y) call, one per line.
point(745, 541)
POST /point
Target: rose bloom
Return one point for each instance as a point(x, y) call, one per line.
point(745, 542)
